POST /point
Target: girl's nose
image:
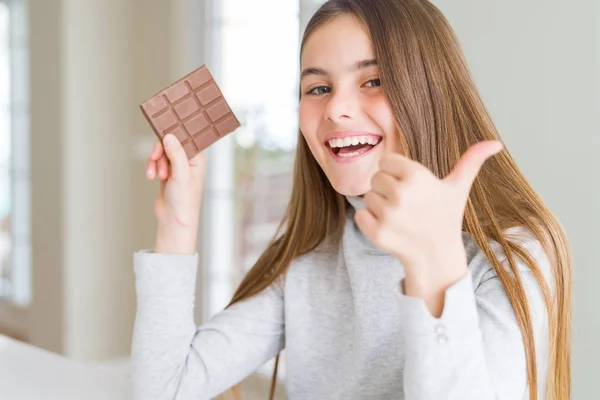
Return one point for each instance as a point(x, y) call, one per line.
point(340, 107)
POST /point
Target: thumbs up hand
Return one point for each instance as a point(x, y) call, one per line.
point(416, 217)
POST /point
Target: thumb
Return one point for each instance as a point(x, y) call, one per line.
point(466, 170)
point(180, 168)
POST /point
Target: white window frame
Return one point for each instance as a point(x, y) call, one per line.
point(18, 289)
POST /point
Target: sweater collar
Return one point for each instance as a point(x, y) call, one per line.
point(356, 202)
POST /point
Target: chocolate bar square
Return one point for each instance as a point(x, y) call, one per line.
point(193, 109)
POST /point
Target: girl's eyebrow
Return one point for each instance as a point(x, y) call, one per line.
point(321, 72)
point(363, 64)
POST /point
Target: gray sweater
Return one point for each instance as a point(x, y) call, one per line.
point(348, 330)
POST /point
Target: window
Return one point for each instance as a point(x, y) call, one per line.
point(5, 187)
point(256, 58)
point(253, 51)
point(14, 155)
point(265, 95)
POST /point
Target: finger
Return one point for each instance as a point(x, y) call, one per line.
point(150, 169)
point(385, 185)
point(180, 167)
point(198, 162)
point(157, 151)
point(163, 167)
point(376, 204)
point(161, 189)
point(466, 170)
point(399, 166)
point(367, 223)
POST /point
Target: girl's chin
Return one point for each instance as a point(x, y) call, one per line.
point(351, 190)
point(353, 182)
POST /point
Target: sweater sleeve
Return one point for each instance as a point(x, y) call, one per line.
point(475, 350)
point(174, 359)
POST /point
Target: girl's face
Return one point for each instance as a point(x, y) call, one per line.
point(345, 116)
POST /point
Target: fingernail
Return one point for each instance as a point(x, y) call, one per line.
point(169, 139)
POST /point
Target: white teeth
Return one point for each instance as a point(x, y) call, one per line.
point(353, 154)
point(353, 141)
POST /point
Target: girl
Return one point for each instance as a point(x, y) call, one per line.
point(414, 260)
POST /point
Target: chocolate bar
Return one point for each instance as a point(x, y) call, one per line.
point(193, 109)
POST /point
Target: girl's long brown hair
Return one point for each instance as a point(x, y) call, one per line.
point(440, 114)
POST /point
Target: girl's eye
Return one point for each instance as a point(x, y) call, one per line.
point(319, 90)
point(373, 83)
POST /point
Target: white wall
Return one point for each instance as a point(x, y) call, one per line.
point(98, 105)
point(536, 63)
point(92, 63)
